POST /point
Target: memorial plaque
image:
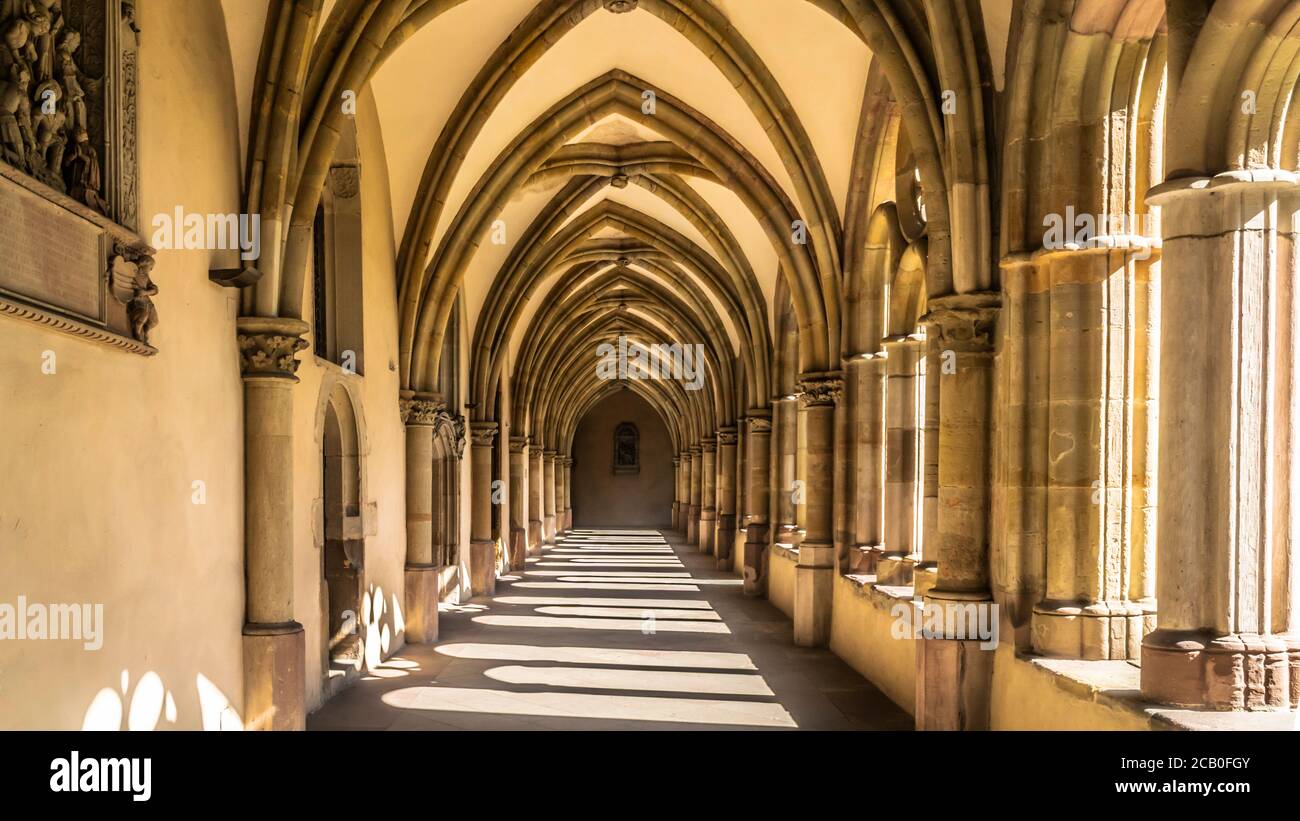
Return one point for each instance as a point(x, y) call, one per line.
point(50, 256)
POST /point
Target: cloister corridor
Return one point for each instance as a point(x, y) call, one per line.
point(613, 630)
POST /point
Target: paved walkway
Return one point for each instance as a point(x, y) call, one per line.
point(613, 630)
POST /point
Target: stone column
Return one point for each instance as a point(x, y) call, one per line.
point(273, 642)
point(536, 499)
point(693, 463)
point(483, 548)
point(740, 481)
point(567, 482)
point(1098, 471)
point(815, 572)
point(785, 417)
point(708, 495)
point(548, 497)
point(926, 572)
point(726, 495)
point(865, 387)
point(759, 444)
point(677, 492)
point(1229, 626)
point(420, 413)
point(518, 501)
point(954, 672)
point(904, 458)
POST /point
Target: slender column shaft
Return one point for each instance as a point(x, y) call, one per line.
point(696, 490)
point(518, 501)
point(273, 643)
point(814, 573)
point(865, 386)
point(483, 548)
point(536, 502)
point(677, 493)
point(904, 458)
point(548, 496)
point(421, 576)
point(785, 418)
point(708, 495)
point(726, 498)
point(759, 499)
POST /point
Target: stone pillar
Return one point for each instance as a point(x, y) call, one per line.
point(954, 673)
point(1229, 627)
point(677, 492)
point(815, 572)
point(694, 469)
point(759, 499)
point(518, 501)
point(274, 643)
point(926, 572)
point(865, 387)
point(726, 495)
point(1099, 473)
point(548, 497)
point(483, 548)
point(536, 499)
point(568, 494)
point(740, 481)
point(785, 417)
point(708, 495)
point(420, 413)
point(904, 458)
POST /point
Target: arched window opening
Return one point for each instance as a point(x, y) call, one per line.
point(627, 449)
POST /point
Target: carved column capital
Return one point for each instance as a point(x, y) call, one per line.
point(517, 443)
point(677, 461)
point(709, 444)
point(422, 409)
point(268, 346)
point(820, 388)
point(483, 434)
point(727, 436)
point(964, 322)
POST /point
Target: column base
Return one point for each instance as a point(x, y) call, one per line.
point(814, 577)
point(548, 530)
point(708, 530)
point(863, 559)
point(421, 604)
point(755, 561)
point(677, 515)
point(534, 537)
point(482, 568)
point(1090, 631)
point(275, 676)
point(895, 569)
point(725, 538)
point(692, 526)
point(1192, 668)
point(518, 548)
point(924, 577)
point(953, 682)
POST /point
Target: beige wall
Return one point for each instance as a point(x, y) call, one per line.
point(97, 473)
point(600, 497)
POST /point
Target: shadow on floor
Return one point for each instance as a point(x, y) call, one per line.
point(613, 630)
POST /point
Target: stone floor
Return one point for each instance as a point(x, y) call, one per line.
point(613, 630)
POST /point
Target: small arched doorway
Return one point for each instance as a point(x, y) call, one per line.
point(342, 564)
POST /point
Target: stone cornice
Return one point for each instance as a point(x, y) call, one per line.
point(268, 346)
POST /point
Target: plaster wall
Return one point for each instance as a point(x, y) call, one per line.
point(602, 498)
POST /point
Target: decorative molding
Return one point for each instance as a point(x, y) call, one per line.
point(820, 388)
point(422, 410)
point(483, 434)
point(619, 180)
point(518, 443)
point(268, 346)
point(620, 6)
point(345, 181)
point(74, 327)
point(458, 431)
point(964, 322)
point(727, 436)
